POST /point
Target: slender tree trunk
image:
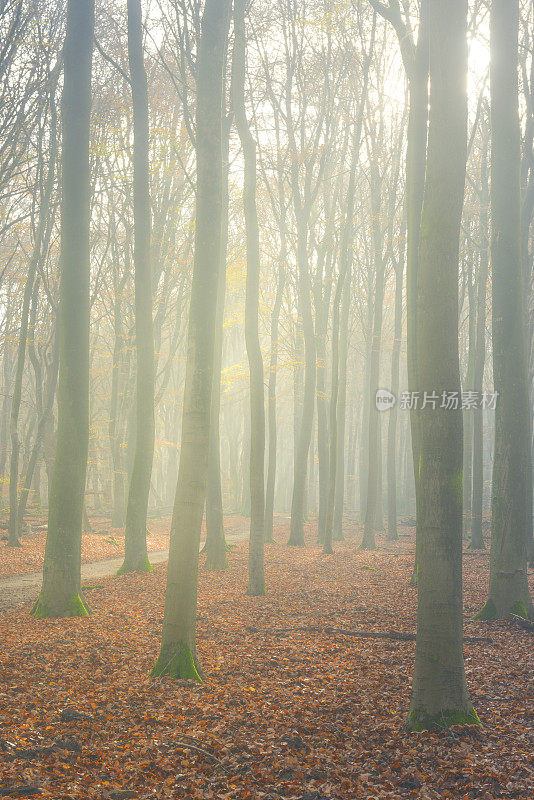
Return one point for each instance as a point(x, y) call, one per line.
point(306, 423)
point(215, 539)
point(273, 365)
point(178, 647)
point(416, 153)
point(256, 576)
point(322, 304)
point(393, 414)
point(508, 585)
point(468, 413)
point(13, 532)
point(118, 511)
point(439, 692)
point(61, 590)
point(42, 237)
point(339, 499)
point(7, 400)
point(334, 393)
point(363, 461)
point(374, 498)
point(135, 551)
point(39, 437)
point(477, 539)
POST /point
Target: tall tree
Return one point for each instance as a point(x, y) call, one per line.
point(215, 539)
point(256, 577)
point(439, 693)
point(178, 656)
point(415, 57)
point(135, 554)
point(477, 539)
point(61, 589)
point(511, 501)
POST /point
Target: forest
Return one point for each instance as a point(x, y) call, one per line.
point(266, 417)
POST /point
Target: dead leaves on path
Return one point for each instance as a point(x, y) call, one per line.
point(305, 715)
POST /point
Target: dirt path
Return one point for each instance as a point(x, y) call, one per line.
point(22, 589)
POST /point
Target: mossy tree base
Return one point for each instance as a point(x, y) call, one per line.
point(13, 543)
point(142, 564)
point(296, 542)
point(421, 720)
point(178, 662)
point(217, 561)
point(73, 606)
point(368, 543)
point(476, 544)
point(489, 612)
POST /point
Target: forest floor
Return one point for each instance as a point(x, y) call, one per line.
point(293, 706)
point(105, 542)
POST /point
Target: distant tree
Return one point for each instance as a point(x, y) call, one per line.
point(256, 577)
point(136, 556)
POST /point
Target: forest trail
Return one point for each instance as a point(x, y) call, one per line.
point(15, 591)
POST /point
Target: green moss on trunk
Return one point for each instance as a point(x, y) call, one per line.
point(519, 610)
point(178, 662)
point(489, 612)
point(421, 720)
point(140, 565)
point(73, 606)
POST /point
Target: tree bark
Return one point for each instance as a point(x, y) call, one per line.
point(135, 550)
point(61, 589)
point(439, 692)
point(477, 539)
point(508, 584)
point(178, 656)
point(256, 575)
point(394, 413)
point(215, 539)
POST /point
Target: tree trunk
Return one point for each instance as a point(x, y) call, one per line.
point(339, 500)
point(477, 539)
point(273, 365)
point(39, 436)
point(61, 590)
point(393, 414)
point(215, 539)
point(439, 693)
point(256, 576)
point(135, 551)
point(468, 413)
point(332, 428)
point(178, 656)
point(41, 242)
point(308, 404)
point(508, 585)
point(374, 498)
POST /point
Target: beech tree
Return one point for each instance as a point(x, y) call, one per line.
point(511, 505)
point(61, 589)
point(136, 556)
point(257, 407)
point(178, 646)
point(439, 693)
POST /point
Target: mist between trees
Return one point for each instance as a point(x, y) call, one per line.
point(224, 227)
